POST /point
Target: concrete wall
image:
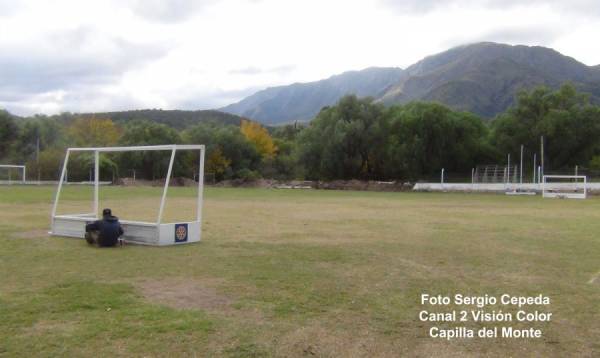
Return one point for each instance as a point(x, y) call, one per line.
point(496, 187)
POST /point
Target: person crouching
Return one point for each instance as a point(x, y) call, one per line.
point(105, 232)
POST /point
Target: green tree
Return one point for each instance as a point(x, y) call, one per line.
point(217, 164)
point(569, 123)
point(288, 132)
point(243, 155)
point(150, 165)
point(346, 141)
point(92, 132)
point(594, 163)
point(8, 133)
point(42, 130)
point(48, 167)
point(425, 137)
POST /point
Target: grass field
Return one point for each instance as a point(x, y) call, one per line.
point(296, 273)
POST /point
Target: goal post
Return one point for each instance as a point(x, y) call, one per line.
point(564, 186)
point(19, 168)
point(155, 232)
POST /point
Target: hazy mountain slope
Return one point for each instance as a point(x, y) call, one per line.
point(302, 101)
point(483, 78)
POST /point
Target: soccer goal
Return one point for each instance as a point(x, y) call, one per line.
point(10, 174)
point(156, 232)
point(564, 186)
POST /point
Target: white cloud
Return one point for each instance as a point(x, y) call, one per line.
point(70, 55)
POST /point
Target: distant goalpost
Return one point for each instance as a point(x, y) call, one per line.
point(20, 168)
point(564, 186)
point(155, 233)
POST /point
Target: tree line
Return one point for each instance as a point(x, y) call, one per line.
point(356, 138)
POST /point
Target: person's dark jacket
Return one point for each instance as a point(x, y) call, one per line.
point(109, 230)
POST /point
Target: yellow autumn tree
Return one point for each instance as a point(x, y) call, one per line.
point(95, 132)
point(259, 136)
point(217, 163)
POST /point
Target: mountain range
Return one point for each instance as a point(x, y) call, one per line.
point(302, 101)
point(482, 78)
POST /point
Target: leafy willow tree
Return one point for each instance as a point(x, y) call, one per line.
point(149, 165)
point(346, 141)
point(41, 144)
point(94, 132)
point(359, 139)
point(8, 132)
point(288, 132)
point(425, 137)
point(48, 166)
point(354, 139)
point(217, 164)
point(285, 164)
point(569, 123)
point(48, 132)
point(243, 157)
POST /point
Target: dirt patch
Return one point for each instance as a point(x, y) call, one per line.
point(363, 185)
point(184, 294)
point(315, 340)
point(179, 181)
point(44, 327)
point(176, 181)
point(32, 234)
point(244, 183)
point(595, 279)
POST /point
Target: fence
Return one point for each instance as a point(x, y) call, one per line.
point(502, 174)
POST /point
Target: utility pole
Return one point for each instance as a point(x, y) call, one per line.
point(521, 169)
point(542, 154)
point(508, 168)
point(534, 159)
point(442, 177)
point(37, 156)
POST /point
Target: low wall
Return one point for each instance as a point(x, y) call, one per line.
point(496, 187)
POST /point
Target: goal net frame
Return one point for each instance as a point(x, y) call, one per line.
point(155, 233)
point(22, 168)
point(559, 190)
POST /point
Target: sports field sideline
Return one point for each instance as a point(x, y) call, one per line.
point(295, 273)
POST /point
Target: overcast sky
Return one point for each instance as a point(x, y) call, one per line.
point(87, 56)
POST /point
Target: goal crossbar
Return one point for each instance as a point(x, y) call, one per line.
point(140, 148)
point(153, 233)
point(23, 169)
point(568, 190)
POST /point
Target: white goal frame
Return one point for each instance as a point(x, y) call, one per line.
point(553, 190)
point(12, 166)
point(141, 232)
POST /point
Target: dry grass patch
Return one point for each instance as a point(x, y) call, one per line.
point(185, 294)
point(46, 327)
point(595, 279)
point(290, 273)
point(31, 234)
point(315, 339)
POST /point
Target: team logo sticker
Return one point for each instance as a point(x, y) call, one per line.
point(181, 232)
